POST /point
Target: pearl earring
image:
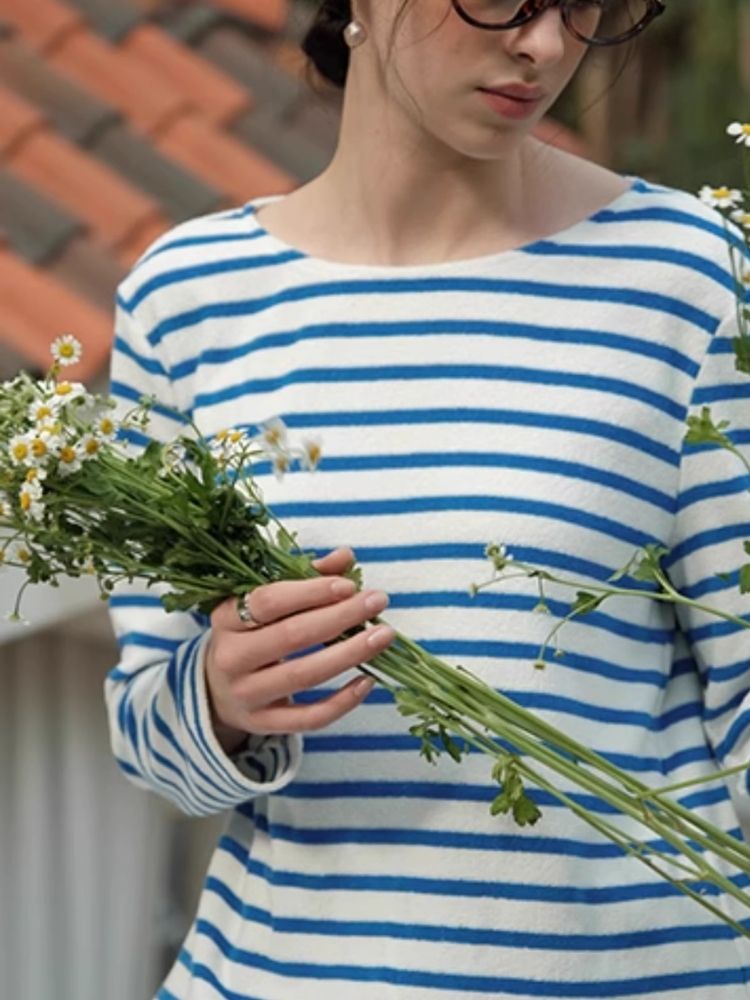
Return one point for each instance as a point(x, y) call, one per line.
point(354, 34)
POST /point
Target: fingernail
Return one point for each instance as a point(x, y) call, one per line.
point(377, 601)
point(363, 687)
point(343, 588)
point(378, 636)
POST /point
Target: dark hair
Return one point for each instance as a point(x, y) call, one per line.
point(324, 43)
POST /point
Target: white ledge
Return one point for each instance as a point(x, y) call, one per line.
point(41, 604)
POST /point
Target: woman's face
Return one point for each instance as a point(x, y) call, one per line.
point(438, 61)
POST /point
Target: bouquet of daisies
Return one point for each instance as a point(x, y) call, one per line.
point(74, 500)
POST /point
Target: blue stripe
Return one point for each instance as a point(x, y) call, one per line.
point(455, 504)
point(471, 936)
point(450, 372)
point(526, 987)
point(451, 840)
point(429, 327)
point(635, 298)
point(547, 422)
point(634, 252)
point(492, 460)
point(655, 214)
point(705, 539)
point(465, 792)
point(381, 742)
point(148, 640)
point(151, 366)
point(712, 491)
point(590, 895)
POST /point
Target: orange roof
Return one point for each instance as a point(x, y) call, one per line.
point(36, 308)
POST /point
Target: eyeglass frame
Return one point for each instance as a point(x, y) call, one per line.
point(655, 9)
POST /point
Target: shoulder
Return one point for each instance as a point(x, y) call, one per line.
point(187, 250)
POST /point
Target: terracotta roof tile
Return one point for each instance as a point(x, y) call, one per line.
point(19, 121)
point(118, 215)
point(35, 308)
point(74, 111)
point(219, 157)
point(44, 23)
point(138, 91)
point(269, 14)
point(217, 95)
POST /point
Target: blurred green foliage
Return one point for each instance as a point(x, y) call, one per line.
point(698, 42)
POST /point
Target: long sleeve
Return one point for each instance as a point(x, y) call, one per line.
point(712, 522)
point(156, 696)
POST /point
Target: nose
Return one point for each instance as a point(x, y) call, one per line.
point(542, 40)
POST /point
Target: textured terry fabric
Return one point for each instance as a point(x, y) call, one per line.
point(535, 397)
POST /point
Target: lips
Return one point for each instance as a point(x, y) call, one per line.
point(517, 91)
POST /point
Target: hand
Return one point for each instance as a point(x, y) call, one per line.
point(250, 686)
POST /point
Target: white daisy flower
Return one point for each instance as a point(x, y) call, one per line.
point(67, 349)
point(274, 434)
point(68, 460)
point(721, 197)
point(40, 411)
point(65, 392)
point(89, 446)
point(19, 448)
point(105, 428)
point(741, 131)
point(40, 451)
point(29, 500)
point(312, 451)
point(6, 511)
point(741, 216)
point(280, 465)
point(18, 552)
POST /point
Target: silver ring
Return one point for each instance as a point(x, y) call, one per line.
point(244, 613)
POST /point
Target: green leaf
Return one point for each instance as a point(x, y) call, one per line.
point(525, 811)
point(586, 602)
point(745, 579)
point(500, 804)
point(450, 745)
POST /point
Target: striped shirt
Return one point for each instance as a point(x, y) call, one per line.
point(535, 397)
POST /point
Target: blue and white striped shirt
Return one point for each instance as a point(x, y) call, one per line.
point(535, 397)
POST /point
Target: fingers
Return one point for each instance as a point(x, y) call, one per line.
point(273, 601)
point(281, 681)
point(305, 629)
point(338, 561)
point(307, 718)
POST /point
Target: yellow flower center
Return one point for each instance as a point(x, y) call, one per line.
point(235, 436)
point(91, 446)
point(24, 555)
point(222, 435)
point(746, 129)
point(63, 389)
point(43, 412)
point(314, 452)
point(67, 350)
point(722, 192)
point(67, 454)
point(25, 501)
point(20, 451)
point(38, 448)
point(106, 426)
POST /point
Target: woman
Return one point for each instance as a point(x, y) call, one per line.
point(494, 340)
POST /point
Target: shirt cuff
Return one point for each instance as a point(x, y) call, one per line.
point(261, 765)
